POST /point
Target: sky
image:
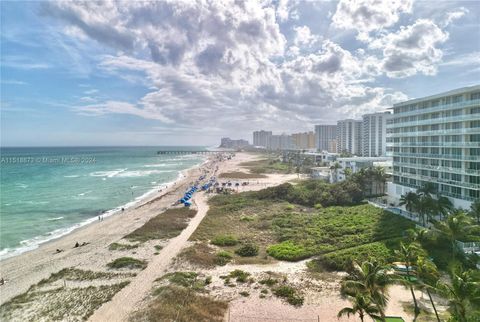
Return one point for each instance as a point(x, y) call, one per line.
point(189, 72)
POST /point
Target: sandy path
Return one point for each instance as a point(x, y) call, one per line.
point(124, 302)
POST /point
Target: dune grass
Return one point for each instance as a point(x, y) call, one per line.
point(61, 297)
point(127, 262)
point(266, 166)
point(166, 225)
point(241, 175)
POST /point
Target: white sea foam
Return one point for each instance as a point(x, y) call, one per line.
point(108, 174)
point(72, 176)
point(141, 173)
point(158, 165)
point(55, 219)
point(22, 185)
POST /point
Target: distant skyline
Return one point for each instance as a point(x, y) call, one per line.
point(191, 72)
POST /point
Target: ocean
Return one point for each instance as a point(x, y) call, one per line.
point(46, 193)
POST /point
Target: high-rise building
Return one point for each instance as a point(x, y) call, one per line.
point(228, 143)
point(280, 142)
point(260, 138)
point(349, 136)
point(436, 139)
point(324, 135)
point(374, 133)
point(303, 141)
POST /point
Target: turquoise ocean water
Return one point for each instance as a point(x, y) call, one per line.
point(47, 192)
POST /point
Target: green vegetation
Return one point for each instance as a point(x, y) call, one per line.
point(244, 293)
point(74, 274)
point(118, 246)
point(268, 166)
point(285, 234)
point(288, 250)
point(381, 251)
point(223, 257)
point(127, 262)
point(247, 250)
point(239, 275)
point(241, 175)
point(225, 240)
point(290, 294)
point(56, 298)
point(165, 225)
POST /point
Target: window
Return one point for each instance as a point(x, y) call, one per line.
point(457, 191)
point(474, 179)
point(456, 164)
point(474, 137)
point(474, 165)
point(475, 194)
point(456, 177)
point(475, 110)
point(457, 99)
point(475, 152)
point(475, 123)
point(475, 96)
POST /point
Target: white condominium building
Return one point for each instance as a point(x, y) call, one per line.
point(374, 133)
point(437, 139)
point(260, 138)
point(349, 136)
point(324, 136)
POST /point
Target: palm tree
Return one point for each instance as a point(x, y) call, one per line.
point(444, 206)
point(410, 201)
point(361, 305)
point(463, 293)
point(428, 189)
point(418, 235)
point(426, 208)
point(370, 279)
point(428, 278)
point(380, 177)
point(475, 210)
point(454, 227)
point(408, 254)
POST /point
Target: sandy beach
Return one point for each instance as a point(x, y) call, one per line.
point(322, 297)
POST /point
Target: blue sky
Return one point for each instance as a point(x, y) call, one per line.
point(189, 72)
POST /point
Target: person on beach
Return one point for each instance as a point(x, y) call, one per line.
point(76, 245)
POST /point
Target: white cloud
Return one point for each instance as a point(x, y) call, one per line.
point(453, 15)
point(366, 16)
point(304, 37)
point(412, 49)
point(224, 64)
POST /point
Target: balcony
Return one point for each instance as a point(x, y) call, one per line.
point(443, 193)
point(437, 180)
point(438, 168)
point(459, 144)
point(439, 120)
point(438, 156)
point(442, 107)
point(473, 130)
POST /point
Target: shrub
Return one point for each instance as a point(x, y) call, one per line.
point(223, 258)
point(289, 294)
point(342, 259)
point(239, 275)
point(288, 250)
point(127, 262)
point(247, 250)
point(268, 281)
point(225, 240)
point(244, 293)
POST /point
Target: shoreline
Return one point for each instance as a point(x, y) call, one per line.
point(51, 236)
point(44, 260)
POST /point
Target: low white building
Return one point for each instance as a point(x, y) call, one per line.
point(357, 163)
